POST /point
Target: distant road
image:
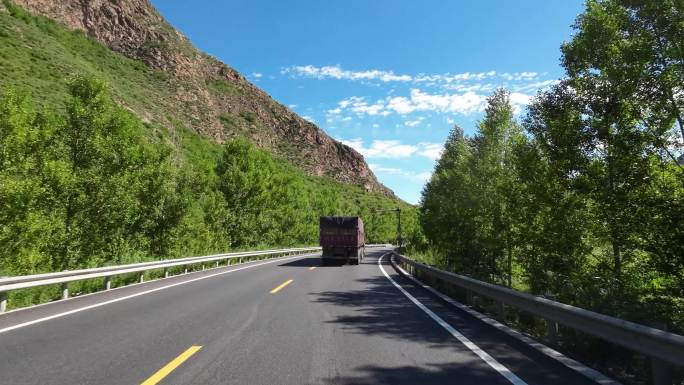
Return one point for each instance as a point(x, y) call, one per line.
point(287, 321)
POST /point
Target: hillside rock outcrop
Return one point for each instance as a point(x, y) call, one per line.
point(211, 98)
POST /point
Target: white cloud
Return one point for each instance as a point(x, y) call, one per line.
point(375, 125)
point(460, 103)
point(346, 119)
point(337, 72)
point(257, 75)
point(540, 85)
point(431, 151)
point(452, 78)
point(292, 106)
point(412, 175)
point(464, 103)
point(382, 148)
point(482, 82)
point(477, 87)
point(400, 104)
point(359, 106)
point(394, 149)
point(344, 103)
point(519, 101)
point(364, 108)
point(308, 118)
point(413, 123)
point(517, 76)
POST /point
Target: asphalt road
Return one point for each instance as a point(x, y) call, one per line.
point(247, 324)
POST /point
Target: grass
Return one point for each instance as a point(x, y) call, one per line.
point(229, 122)
point(220, 86)
point(38, 54)
point(248, 116)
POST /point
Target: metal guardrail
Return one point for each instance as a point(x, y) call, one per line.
point(665, 349)
point(63, 278)
point(373, 245)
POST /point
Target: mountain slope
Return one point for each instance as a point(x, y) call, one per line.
point(184, 87)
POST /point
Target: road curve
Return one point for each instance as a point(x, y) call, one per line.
point(287, 321)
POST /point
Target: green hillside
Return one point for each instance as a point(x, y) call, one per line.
point(85, 182)
point(39, 54)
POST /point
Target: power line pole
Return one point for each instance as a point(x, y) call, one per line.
point(399, 239)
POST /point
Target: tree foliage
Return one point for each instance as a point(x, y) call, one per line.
point(585, 195)
point(96, 186)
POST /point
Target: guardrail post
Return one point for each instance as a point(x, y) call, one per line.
point(65, 290)
point(166, 273)
point(185, 269)
point(141, 278)
point(108, 283)
point(202, 267)
point(552, 330)
point(217, 263)
point(240, 260)
point(3, 301)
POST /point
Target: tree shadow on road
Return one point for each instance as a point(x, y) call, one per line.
point(379, 309)
point(425, 375)
point(316, 261)
point(373, 306)
point(304, 262)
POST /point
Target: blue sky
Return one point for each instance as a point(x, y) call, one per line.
point(389, 78)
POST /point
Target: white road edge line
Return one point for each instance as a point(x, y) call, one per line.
point(59, 315)
point(504, 371)
point(577, 366)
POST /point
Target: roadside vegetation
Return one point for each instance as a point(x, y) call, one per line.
point(96, 186)
point(581, 199)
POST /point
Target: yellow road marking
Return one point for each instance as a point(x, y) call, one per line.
point(163, 372)
point(312, 267)
point(282, 285)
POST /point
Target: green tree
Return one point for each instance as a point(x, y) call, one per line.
point(28, 162)
point(469, 206)
point(637, 47)
point(609, 137)
point(115, 187)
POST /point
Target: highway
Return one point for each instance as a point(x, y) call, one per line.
point(284, 321)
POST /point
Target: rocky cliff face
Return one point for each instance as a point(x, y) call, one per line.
point(211, 98)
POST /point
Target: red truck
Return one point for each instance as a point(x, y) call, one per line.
point(342, 239)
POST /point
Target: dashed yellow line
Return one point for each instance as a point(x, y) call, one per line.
point(282, 285)
point(312, 267)
point(166, 370)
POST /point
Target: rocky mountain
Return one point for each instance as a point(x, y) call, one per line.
point(207, 96)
